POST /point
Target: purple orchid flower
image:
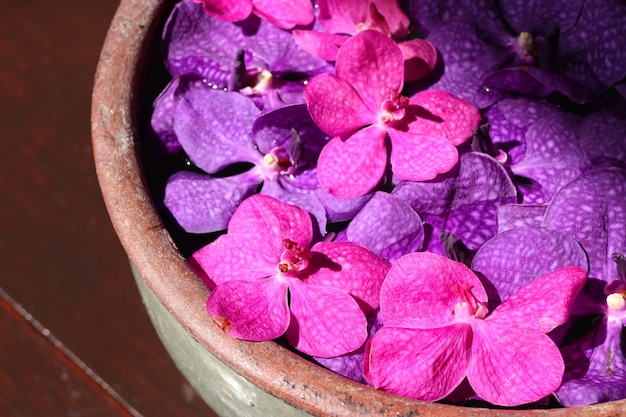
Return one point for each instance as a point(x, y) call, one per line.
point(553, 46)
point(463, 204)
point(270, 280)
point(341, 19)
point(437, 331)
point(361, 104)
point(253, 57)
point(592, 210)
point(283, 13)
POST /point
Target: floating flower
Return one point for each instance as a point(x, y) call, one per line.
point(437, 331)
point(283, 13)
point(253, 57)
point(361, 104)
point(563, 46)
point(342, 19)
point(270, 280)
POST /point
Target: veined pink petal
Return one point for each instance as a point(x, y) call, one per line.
point(439, 113)
point(420, 157)
point(422, 364)
point(342, 16)
point(511, 365)
point(420, 58)
point(227, 10)
point(284, 13)
point(353, 167)
point(418, 291)
point(255, 310)
point(322, 45)
point(325, 321)
point(543, 304)
point(236, 257)
point(335, 106)
point(373, 65)
point(350, 267)
point(268, 222)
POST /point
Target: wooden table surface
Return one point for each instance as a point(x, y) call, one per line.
point(75, 339)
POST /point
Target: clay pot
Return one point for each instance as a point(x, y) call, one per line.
point(236, 378)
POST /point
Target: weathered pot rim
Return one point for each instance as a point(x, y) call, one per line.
point(151, 250)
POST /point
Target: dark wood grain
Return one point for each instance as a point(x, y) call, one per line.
point(60, 260)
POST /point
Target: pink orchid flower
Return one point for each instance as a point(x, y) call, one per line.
point(361, 104)
point(269, 280)
point(283, 13)
point(344, 18)
point(437, 331)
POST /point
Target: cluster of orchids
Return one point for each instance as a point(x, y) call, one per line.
point(428, 197)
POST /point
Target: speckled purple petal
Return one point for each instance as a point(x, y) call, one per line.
point(553, 155)
point(603, 132)
point(388, 226)
point(373, 65)
point(341, 209)
point(325, 321)
point(250, 310)
point(214, 128)
point(574, 90)
point(511, 216)
point(164, 109)
point(203, 204)
point(196, 43)
point(592, 210)
point(514, 258)
point(518, 81)
point(540, 17)
point(428, 14)
point(350, 267)
point(595, 367)
point(464, 205)
point(466, 59)
point(595, 38)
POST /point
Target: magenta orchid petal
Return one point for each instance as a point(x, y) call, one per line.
point(353, 167)
point(264, 217)
point(284, 13)
point(341, 16)
point(321, 44)
point(420, 58)
point(373, 65)
point(511, 365)
point(422, 364)
point(250, 310)
point(442, 114)
point(420, 157)
point(361, 271)
point(227, 10)
point(395, 18)
point(537, 305)
point(236, 257)
point(427, 305)
point(325, 321)
point(336, 106)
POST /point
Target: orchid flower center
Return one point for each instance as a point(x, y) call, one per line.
point(257, 82)
point(276, 162)
point(294, 259)
point(393, 108)
point(468, 305)
point(527, 48)
point(616, 301)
